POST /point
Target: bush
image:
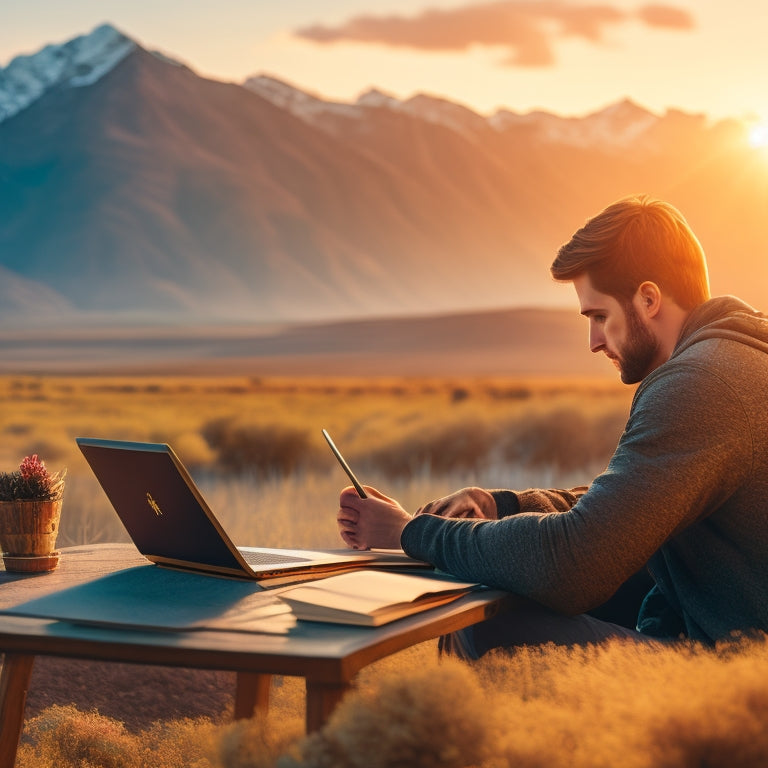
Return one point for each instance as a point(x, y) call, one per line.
point(62, 736)
point(458, 447)
point(269, 449)
point(566, 439)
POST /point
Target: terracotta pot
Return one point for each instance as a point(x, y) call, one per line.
point(28, 531)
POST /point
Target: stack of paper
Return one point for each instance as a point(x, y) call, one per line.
point(372, 598)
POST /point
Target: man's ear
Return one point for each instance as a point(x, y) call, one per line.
point(649, 298)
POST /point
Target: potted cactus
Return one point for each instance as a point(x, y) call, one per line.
point(30, 510)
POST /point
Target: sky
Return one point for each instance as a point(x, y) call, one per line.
point(571, 57)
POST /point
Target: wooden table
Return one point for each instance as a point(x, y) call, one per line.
point(327, 656)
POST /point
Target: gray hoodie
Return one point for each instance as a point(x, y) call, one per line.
point(685, 492)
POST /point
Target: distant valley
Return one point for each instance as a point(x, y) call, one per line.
point(504, 343)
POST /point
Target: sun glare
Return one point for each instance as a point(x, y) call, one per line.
point(758, 135)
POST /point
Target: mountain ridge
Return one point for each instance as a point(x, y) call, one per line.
point(85, 58)
point(155, 195)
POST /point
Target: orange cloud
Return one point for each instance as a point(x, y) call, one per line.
point(665, 16)
point(527, 28)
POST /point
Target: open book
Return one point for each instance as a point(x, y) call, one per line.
point(372, 598)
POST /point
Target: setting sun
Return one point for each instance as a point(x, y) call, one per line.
point(758, 135)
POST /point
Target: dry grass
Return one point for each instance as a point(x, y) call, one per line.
point(254, 445)
point(617, 704)
point(200, 415)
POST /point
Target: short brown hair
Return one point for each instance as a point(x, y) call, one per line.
point(634, 240)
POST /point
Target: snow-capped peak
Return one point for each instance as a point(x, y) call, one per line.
point(622, 123)
point(303, 105)
point(78, 62)
point(441, 111)
point(377, 98)
point(614, 127)
point(281, 94)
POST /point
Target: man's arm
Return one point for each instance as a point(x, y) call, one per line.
point(677, 461)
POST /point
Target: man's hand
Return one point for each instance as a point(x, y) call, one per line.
point(468, 502)
point(375, 522)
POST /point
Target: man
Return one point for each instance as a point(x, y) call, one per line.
point(685, 492)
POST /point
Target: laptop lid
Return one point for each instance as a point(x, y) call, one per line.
point(170, 522)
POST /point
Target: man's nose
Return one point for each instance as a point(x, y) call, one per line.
point(596, 339)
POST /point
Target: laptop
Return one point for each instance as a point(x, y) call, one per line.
point(172, 525)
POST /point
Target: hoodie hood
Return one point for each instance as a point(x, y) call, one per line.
point(725, 317)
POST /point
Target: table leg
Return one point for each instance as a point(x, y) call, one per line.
point(251, 695)
point(14, 684)
point(322, 699)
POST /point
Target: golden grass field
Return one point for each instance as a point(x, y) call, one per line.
point(254, 446)
point(615, 704)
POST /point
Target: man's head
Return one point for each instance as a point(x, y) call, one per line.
point(638, 270)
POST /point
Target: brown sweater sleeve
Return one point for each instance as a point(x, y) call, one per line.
point(536, 500)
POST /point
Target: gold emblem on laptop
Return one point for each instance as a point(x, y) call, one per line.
point(155, 506)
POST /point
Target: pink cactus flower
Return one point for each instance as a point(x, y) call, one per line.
point(33, 469)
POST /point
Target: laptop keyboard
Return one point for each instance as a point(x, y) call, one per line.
point(270, 558)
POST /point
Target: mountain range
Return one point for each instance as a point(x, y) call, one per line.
point(133, 190)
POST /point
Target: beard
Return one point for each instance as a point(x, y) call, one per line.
point(636, 359)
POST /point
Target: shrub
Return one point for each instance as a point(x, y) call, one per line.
point(566, 438)
point(431, 717)
point(194, 450)
point(63, 736)
point(258, 449)
point(455, 447)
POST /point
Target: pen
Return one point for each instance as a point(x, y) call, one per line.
point(359, 488)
